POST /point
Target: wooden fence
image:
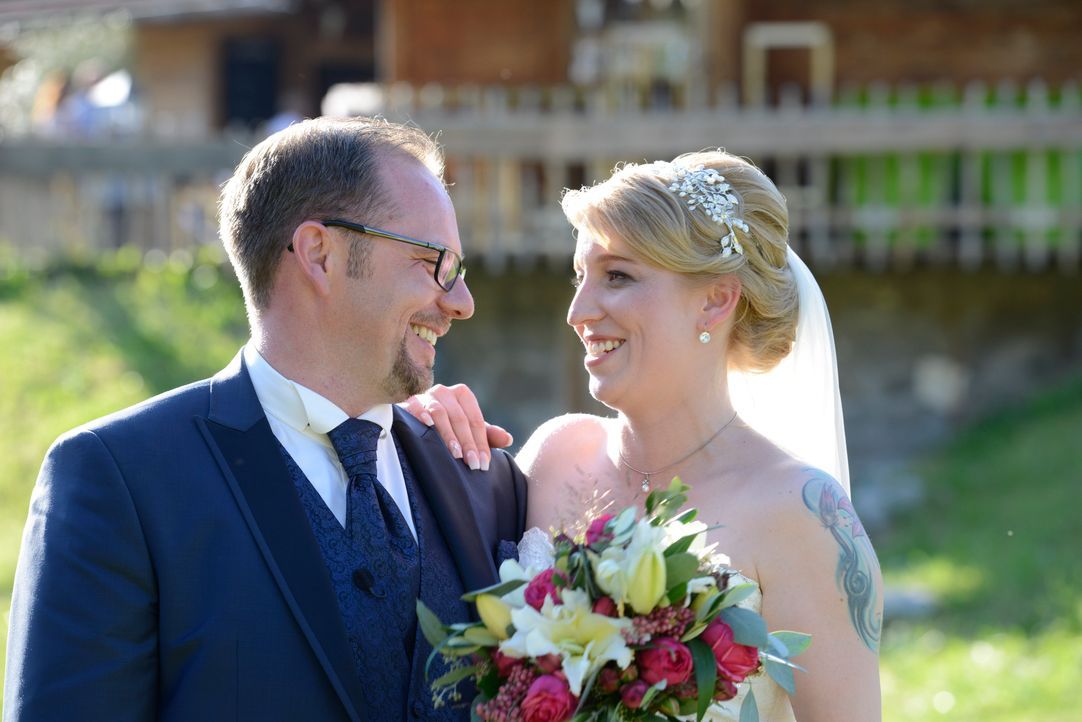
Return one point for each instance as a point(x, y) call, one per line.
point(885, 177)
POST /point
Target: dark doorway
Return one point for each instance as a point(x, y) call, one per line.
point(251, 80)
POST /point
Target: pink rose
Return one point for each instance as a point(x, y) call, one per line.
point(608, 680)
point(735, 661)
point(631, 695)
point(606, 606)
point(666, 659)
point(504, 664)
point(541, 586)
point(549, 699)
point(596, 531)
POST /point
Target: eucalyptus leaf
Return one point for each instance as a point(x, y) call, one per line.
point(781, 660)
point(749, 711)
point(706, 674)
point(748, 627)
point(781, 674)
point(795, 642)
point(776, 647)
point(431, 626)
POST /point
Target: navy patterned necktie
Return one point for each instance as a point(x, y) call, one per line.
point(373, 519)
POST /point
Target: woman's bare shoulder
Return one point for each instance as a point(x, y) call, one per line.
point(563, 441)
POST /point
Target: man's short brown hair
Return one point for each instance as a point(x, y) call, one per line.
point(318, 168)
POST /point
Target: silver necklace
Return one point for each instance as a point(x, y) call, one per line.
point(647, 474)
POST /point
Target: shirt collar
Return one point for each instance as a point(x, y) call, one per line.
point(299, 406)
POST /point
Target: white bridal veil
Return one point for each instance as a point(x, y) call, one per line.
point(797, 404)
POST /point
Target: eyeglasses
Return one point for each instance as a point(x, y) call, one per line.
point(449, 264)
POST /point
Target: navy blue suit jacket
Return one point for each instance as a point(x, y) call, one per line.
point(168, 570)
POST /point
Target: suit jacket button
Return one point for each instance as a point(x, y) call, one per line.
point(418, 708)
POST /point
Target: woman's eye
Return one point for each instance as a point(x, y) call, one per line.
point(576, 281)
point(618, 276)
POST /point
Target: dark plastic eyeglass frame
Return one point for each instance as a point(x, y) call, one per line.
point(380, 233)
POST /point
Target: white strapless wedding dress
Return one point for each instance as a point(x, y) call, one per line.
point(535, 550)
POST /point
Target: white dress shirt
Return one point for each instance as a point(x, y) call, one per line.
point(300, 419)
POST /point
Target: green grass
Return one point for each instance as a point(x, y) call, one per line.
point(997, 541)
point(79, 342)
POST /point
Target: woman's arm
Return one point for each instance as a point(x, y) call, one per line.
point(820, 576)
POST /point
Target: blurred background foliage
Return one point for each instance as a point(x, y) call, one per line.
point(54, 52)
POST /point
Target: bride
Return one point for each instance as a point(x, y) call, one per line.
point(687, 303)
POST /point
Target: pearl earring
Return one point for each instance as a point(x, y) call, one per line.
point(704, 337)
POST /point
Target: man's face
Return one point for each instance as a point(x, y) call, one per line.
point(389, 316)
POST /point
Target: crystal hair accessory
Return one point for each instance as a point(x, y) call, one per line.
point(705, 188)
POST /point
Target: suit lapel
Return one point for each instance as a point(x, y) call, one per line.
point(240, 437)
point(441, 480)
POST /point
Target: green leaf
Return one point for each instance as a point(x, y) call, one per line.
point(431, 626)
point(749, 711)
point(489, 685)
point(456, 675)
point(680, 545)
point(680, 569)
point(781, 674)
point(736, 594)
point(652, 692)
point(480, 635)
point(795, 642)
point(706, 674)
point(497, 590)
point(623, 526)
point(748, 627)
point(688, 516)
point(676, 594)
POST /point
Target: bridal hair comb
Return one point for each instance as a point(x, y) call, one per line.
point(707, 189)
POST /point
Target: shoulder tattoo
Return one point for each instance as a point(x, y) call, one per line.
point(857, 564)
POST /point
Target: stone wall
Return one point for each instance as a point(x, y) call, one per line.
point(921, 354)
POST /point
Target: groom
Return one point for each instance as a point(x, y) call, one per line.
point(252, 546)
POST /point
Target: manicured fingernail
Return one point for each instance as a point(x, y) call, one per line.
point(485, 460)
point(471, 460)
point(427, 420)
point(456, 450)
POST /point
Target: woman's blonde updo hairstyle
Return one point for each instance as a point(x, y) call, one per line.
point(636, 206)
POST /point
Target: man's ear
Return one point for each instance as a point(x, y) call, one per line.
point(721, 299)
point(312, 247)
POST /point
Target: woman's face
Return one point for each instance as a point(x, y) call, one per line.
point(638, 323)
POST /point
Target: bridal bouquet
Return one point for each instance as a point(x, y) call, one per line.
point(638, 620)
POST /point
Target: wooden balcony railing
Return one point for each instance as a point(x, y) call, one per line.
point(988, 176)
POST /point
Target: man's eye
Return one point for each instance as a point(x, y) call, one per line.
point(576, 281)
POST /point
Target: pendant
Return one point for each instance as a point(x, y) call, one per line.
point(645, 484)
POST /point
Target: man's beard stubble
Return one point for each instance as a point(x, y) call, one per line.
point(406, 377)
